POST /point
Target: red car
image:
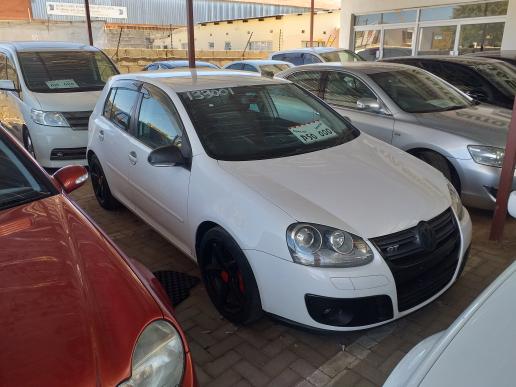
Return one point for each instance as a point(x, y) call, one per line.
point(74, 310)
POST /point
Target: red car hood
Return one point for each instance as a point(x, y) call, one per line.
point(71, 309)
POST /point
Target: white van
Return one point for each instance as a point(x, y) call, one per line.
point(47, 93)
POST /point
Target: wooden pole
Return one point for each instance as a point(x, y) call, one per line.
point(191, 35)
point(505, 185)
point(88, 21)
point(312, 11)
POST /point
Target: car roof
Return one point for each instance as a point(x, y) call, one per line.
point(192, 79)
point(182, 62)
point(466, 60)
point(47, 46)
point(357, 67)
point(310, 49)
point(260, 62)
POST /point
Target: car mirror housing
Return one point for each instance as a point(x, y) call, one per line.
point(369, 104)
point(71, 177)
point(7, 85)
point(166, 156)
point(511, 207)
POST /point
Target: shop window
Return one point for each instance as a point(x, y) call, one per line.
point(480, 37)
point(496, 8)
point(264, 45)
point(367, 20)
point(397, 42)
point(367, 44)
point(437, 40)
point(406, 16)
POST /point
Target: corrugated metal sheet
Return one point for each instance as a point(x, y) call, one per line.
point(166, 12)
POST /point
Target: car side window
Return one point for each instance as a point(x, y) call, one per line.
point(235, 66)
point(309, 80)
point(248, 67)
point(310, 58)
point(294, 58)
point(158, 122)
point(119, 106)
point(7, 70)
point(278, 57)
point(345, 90)
point(152, 67)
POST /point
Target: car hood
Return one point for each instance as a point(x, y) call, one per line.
point(72, 309)
point(482, 124)
point(364, 186)
point(68, 102)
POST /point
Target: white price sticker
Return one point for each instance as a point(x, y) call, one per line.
point(62, 84)
point(312, 132)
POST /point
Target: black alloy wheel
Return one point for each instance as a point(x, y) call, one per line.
point(100, 185)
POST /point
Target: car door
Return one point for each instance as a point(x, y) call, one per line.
point(11, 115)
point(343, 90)
point(159, 193)
point(112, 139)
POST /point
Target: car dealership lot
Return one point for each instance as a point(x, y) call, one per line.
point(271, 353)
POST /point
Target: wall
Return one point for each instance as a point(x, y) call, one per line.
point(350, 7)
point(14, 9)
point(285, 32)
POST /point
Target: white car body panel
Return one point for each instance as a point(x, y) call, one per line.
point(256, 201)
point(477, 350)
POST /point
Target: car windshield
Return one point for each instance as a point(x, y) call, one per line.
point(342, 56)
point(416, 91)
point(501, 75)
point(17, 184)
point(270, 70)
point(65, 71)
point(263, 121)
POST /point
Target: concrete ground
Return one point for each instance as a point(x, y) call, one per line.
point(269, 353)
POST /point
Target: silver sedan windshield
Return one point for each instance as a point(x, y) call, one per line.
point(416, 91)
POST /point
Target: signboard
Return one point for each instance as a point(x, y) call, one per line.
point(99, 11)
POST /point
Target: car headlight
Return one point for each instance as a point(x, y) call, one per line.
point(317, 245)
point(158, 358)
point(48, 118)
point(457, 206)
point(487, 155)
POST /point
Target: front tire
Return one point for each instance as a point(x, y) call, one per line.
point(101, 186)
point(441, 164)
point(228, 277)
point(27, 142)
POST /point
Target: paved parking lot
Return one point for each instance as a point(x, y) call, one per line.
point(269, 353)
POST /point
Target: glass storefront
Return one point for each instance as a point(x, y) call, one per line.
point(444, 30)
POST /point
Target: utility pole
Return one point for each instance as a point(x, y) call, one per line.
point(312, 11)
point(88, 21)
point(191, 36)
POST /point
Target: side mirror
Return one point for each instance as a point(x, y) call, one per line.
point(7, 85)
point(166, 156)
point(71, 177)
point(511, 206)
point(369, 104)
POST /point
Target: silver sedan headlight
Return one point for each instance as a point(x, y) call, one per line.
point(316, 245)
point(457, 206)
point(48, 118)
point(158, 358)
point(487, 155)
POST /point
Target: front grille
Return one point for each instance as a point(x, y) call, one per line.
point(422, 268)
point(68, 154)
point(77, 120)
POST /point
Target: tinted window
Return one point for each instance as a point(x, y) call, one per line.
point(248, 67)
point(65, 71)
point(263, 121)
point(340, 56)
point(278, 57)
point(123, 104)
point(310, 80)
point(158, 123)
point(415, 91)
point(18, 185)
point(235, 66)
point(310, 58)
point(345, 90)
point(273, 69)
point(499, 74)
point(152, 67)
point(459, 76)
point(294, 58)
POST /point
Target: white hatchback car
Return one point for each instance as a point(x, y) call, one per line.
point(286, 207)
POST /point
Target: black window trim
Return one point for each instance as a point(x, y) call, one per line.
point(122, 84)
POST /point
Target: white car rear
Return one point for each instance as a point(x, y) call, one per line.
point(286, 207)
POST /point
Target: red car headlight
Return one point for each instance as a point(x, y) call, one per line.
point(158, 358)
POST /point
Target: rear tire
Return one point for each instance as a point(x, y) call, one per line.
point(228, 277)
point(101, 186)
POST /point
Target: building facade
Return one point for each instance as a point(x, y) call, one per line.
point(438, 27)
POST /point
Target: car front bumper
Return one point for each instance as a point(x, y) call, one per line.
point(479, 184)
point(56, 147)
point(296, 293)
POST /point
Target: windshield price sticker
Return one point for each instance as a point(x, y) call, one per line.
point(312, 132)
point(62, 84)
point(209, 93)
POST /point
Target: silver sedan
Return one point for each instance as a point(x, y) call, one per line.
point(421, 114)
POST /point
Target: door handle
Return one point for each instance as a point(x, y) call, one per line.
point(133, 158)
point(101, 135)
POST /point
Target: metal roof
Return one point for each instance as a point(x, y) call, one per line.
point(171, 12)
